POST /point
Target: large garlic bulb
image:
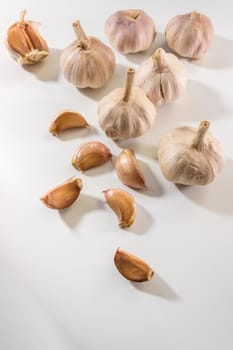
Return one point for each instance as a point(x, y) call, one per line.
point(162, 77)
point(87, 62)
point(190, 35)
point(130, 31)
point(126, 112)
point(190, 156)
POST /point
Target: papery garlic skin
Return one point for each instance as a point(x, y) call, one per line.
point(190, 156)
point(190, 35)
point(87, 62)
point(130, 31)
point(25, 43)
point(162, 77)
point(67, 120)
point(126, 112)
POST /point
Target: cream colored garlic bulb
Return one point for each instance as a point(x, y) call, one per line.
point(190, 35)
point(162, 77)
point(87, 62)
point(126, 112)
point(190, 156)
point(130, 31)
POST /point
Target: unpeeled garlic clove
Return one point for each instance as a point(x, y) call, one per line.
point(130, 31)
point(63, 195)
point(87, 62)
point(128, 170)
point(190, 35)
point(126, 112)
point(25, 42)
point(123, 204)
point(67, 120)
point(90, 154)
point(131, 267)
point(162, 77)
point(190, 156)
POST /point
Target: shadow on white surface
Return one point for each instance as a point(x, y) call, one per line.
point(75, 213)
point(154, 188)
point(77, 133)
point(216, 197)
point(143, 221)
point(49, 68)
point(219, 55)
point(158, 288)
point(116, 81)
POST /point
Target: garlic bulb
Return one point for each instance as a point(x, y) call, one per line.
point(126, 112)
point(87, 62)
point(190, 156)
point(162, 77)
point(24, 41)
point(130, 31)
point(190, 35)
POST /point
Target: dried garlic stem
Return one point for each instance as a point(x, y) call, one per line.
point(198, 140)
point(159, 59)
point(81, 35)
point(22, 15)
point(129, 84)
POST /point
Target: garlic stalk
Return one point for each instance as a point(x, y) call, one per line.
point(190, 156)
point(87, 62)
point(162, 77)
point(126, 112)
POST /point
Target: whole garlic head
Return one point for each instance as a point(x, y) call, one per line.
point(130, 31)
point(87, 62)
point(190, 156)
point(162, 77)
point(126, 112)
point(190, 35)
point(24, 41)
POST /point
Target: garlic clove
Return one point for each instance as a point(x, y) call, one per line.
point(190, 156)
point(87, 62)
point(25, 42)
point(162, 77)
point(63, 195)
point(67, 120)
point(190, 35)
point(131, 267)
point(130, 31)
point(90, 154)
point(123, 204)
point(126, 112)
point(128, 170)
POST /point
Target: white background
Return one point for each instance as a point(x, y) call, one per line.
point(59, 289)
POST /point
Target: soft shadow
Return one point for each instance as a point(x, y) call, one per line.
point(138, 147)
point(74, 214)
point(117, 81)
point(76, 133)
point(139, 57)
point(158, 288)
point(143, 221)
point(49, 68)
point(218, 196)
point(219, 55)
point(154, 188)
point(107, 167)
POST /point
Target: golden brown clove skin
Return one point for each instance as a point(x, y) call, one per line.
point(128, 170)
point(131, 267)
point(90, 154)
point(67, 120)
point(25, 41)
point(123, 204)
point(63, 195)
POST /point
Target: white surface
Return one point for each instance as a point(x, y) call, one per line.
point(59, 287)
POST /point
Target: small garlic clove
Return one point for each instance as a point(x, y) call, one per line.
point(131, 267)
point(90, 154)
point(67, 120)
point(190, 35)
point(25, 42)
point(130, 31)
point(128, 170)
point(63, 195)
point(123, 204)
